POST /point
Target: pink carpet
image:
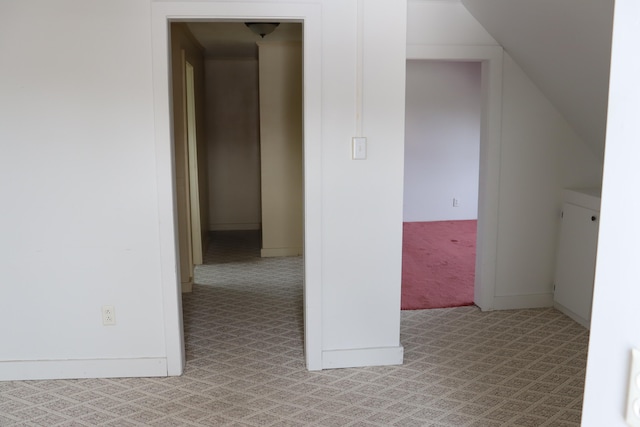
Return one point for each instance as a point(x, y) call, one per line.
point(438, 264)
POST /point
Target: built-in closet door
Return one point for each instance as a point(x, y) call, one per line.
point(576, 261)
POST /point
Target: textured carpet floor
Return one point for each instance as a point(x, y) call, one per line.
point(245, 366)
point(438, 264)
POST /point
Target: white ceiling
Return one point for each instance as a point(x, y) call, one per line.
point(234, 39)
point(565, 48)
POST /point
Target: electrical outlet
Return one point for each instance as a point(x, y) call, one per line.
point(108, 315)
point(456, 202)
point(633, 394)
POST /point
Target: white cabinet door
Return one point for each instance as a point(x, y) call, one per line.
point(576, 259)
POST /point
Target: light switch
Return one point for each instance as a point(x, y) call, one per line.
point(359, 148)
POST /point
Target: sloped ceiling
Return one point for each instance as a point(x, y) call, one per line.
point(565, 48)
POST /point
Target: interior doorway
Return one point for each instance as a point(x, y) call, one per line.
point(163, 14)
point(253, 127)
point(248, 152)
point(490, 58)
point(189, 149)
point(442, 157)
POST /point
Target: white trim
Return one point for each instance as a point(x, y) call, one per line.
point(192, 152)
point(359, 113)
point(380, 356)
point(516, 302)
point(489, 185)
point(235, 227)
point(310, 14)
point(581, 320)
point(274, 252)
point(187, 287)
point(87, 368)
point(455, 52)
point(170, 266)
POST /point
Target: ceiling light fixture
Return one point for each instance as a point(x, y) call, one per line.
point(262, 28)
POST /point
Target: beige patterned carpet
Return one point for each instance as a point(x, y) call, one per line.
point(245, 365)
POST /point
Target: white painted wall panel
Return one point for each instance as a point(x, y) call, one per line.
point(539, 151)
point(615, 316)
point(233, 143)
point(362, 200)
point(442, 140)
point(78, 177)
point(281, 148)
point(444, 23)
point(565, 47)
point(79, 168)
point(79, 221)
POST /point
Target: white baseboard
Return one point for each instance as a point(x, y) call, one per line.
point(89, 368)
point(234, 227)
point(513, 302)
point(187, 287)
point(274, 252)
point(584, 322)
point(361, 357)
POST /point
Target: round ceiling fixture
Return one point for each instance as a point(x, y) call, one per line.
point(262, 28)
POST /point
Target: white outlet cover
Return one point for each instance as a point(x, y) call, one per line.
point(108, 315)
point(633, 396)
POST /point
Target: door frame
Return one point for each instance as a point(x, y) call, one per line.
point(309, 14)
point(189, 105)
point(490, 58)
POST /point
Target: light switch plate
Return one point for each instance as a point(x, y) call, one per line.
point(359, 148)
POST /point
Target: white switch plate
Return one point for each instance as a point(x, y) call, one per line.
point(633, 396)
point(359, 148)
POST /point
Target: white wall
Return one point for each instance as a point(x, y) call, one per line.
point(232, 119)
point(540, 154)
point(362, 200)
point(565, 47)
point(444, 23)
point(79, 218)
point(615, 318)
point(281, 147)
point(80, 226)
point(442, 140)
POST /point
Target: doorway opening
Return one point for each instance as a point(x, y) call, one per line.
point(238, 157)
point(490, 58)
point(163, 14)
point(442, 157)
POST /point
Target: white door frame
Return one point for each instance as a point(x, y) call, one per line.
point(164, 12)
point(490, 58)
point(192, 154)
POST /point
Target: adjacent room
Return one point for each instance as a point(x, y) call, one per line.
point(442, 149)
